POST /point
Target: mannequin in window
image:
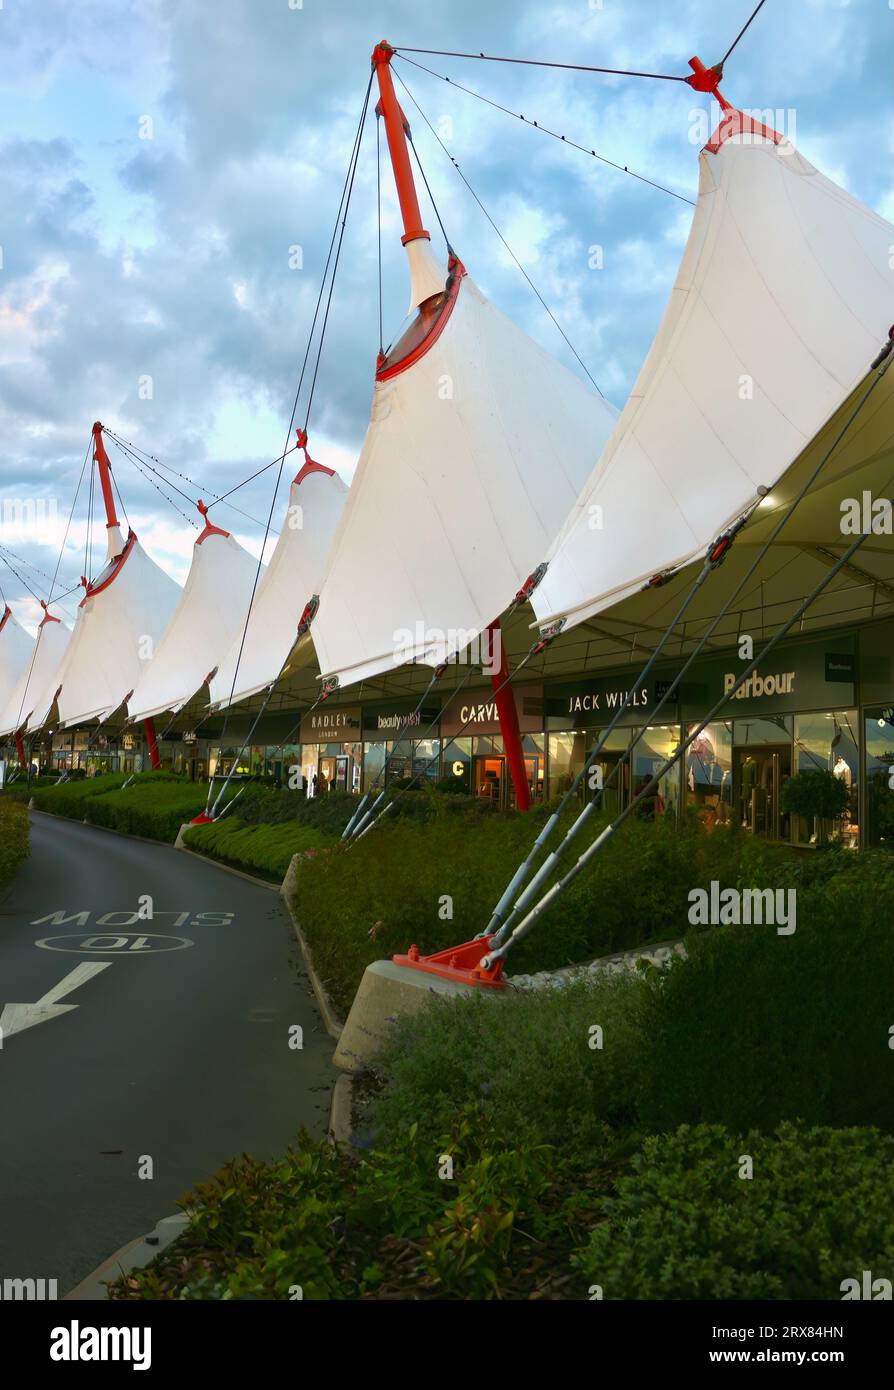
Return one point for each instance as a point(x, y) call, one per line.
point(842, 771)
point(748, 783)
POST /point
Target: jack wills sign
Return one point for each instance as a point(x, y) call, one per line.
point(331, 724)
point(598, 700)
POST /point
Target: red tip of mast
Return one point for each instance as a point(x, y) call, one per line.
point(210, 529)
point(705, 79)
point(382, 53)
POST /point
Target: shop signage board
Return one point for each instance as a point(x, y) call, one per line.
point(473, 712)
point(381, 723)
point(331, 724)
point(595, 700)
point(795, 677)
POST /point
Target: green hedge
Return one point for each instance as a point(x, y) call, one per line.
point(151, 806)
point(635, 892)
point(525, 1059)
point(755, 1027)
point(263, 849)
point(685, 1225)
point(14, 842)
point(508, 1222)
point(69, 798)
point(750, 1030)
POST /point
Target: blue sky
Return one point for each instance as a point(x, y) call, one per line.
point(127, 258)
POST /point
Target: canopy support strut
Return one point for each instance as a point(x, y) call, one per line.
point(507, 714)
point(20, 748)
point(154, 758)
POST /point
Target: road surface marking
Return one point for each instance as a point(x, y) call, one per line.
point(15, 1018)
point(120, 943)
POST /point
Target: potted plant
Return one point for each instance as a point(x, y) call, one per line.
point(817, 795)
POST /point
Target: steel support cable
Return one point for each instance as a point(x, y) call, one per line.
point(534, 288)
point(149, 459)
point(343, 206)
point(88, 548)
point(121, 500)
point(345, 187)
point(605, 835)
point(138, 458)
point(521, 874)
point(549, 864)
point(160, 490)
point(542, 63)
point(12, 569)
point(431, 197)
point(341, 237)
point(368, 823)
point(535, 649)
point(356, 822)
point(51, 599)
point(536, 125)
point(20, 560)
point(742, 32)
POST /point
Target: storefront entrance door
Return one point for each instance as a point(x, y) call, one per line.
point(759, 774)
point(490, 779)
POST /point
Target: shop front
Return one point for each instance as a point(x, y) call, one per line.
point(475, 756)
point(400, 744)
point(798, 713)
point(331, 749)
point(577, 713)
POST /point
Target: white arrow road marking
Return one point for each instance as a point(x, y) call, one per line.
point(15, 1018)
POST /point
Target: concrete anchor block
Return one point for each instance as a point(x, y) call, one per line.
point(387, 992)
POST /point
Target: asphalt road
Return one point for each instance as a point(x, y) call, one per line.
point(176, 1053)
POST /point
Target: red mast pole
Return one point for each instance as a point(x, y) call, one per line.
point(508, 717)
point(396, 127)
point(105, 475)
point(154, 759)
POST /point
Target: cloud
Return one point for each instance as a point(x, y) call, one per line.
point(167, 285)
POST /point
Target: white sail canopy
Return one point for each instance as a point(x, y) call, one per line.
point(477, 445)
point(291, 580)
point(16, 648)
point(34, 694)
point(120, 621)
point(784, 296)
point(206, 621)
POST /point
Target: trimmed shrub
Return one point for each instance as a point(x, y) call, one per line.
point(69, 798)
point(262, 849)
point(684, 1225)
point(259, 805)
point(14, 840)
point(636, 892)
point(526, 1059)
point(755, 1028)
point(153, 808)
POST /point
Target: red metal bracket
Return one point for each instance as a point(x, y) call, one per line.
point(459, 963)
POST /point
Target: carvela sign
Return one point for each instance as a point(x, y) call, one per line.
point(475, 712)
point(597, 700)
point(331, 725)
